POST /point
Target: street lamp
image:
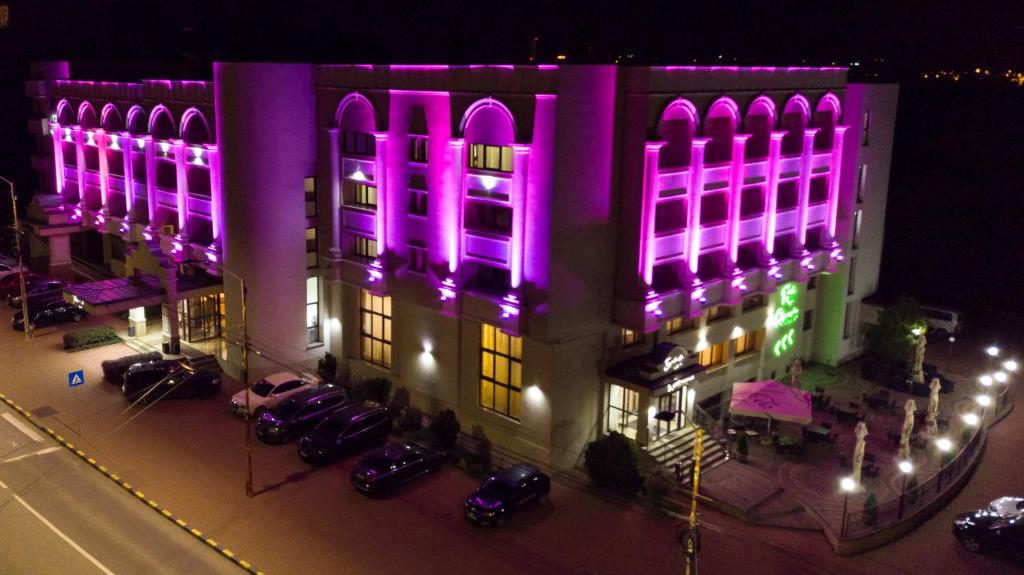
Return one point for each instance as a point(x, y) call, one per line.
point(25, 323)
point(999, 376)
point(984, 400)
point(992, 351)
point(971, 419)
point(906, 467)
point(985, 380)
point(1010, 365)
point(945, 446)
point(848, 486)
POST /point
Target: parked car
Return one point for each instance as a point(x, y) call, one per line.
point(386, 468)
point(270, 391)
point(506, 492)
point(169, 379)
point(299, 413)
point(50, 312)
point(355, 427)
point(998, 527)
point(10, 269)
point(942, 321)
point(37, 290)
point(11, 284)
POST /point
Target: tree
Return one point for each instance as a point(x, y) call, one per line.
point(891, 340)
point(446, 428)
point(614, 460)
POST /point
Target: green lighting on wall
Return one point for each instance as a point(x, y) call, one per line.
point(786, 315)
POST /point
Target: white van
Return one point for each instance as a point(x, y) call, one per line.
point(942, 320)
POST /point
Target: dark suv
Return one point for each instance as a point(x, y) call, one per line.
point(50, 312)
point(352, 428)
point(38, 290)
point(168, 379)
point(299, 413)
point(506, 492)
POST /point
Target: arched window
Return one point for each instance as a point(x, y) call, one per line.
point(759, 123)
point(110, 119)
point(137, 121)
point(489, 130)
point(720, 126)
point(194, 129)
point(677, 127)
point(65, 115)
point(794, 120)
point(87, 116)
point(356, 124)
point(161, 124)
point(826, 116)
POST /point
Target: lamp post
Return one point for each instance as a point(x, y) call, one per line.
point(945, 447)
point(993, 352)
point(690, 540)
point(906, 467)
point(848, 486)
point(25, 323)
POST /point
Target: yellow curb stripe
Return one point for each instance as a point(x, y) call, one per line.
point(211, 542)
point(140, 495)
point(244, 563)
point(115, 477)
point(196, 532)
point(228, 553)
point(166, 513)
point(152, 504)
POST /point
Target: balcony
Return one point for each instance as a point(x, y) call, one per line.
point(357, 219)
point(487, 247)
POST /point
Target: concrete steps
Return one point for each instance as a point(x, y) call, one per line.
point(678, 448)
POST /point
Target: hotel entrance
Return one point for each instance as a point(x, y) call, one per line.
point(678, 399)
point(202, 318)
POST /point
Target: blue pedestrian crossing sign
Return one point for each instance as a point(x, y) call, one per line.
point(76, 378)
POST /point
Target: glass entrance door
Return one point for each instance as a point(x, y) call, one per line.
point(673, 401)
point(623, 410)
point(201, 318)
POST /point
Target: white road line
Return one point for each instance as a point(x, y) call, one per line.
point(40, 452)
point(22, 427)
point(74, 545)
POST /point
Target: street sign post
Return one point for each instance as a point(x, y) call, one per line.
point(76, 378)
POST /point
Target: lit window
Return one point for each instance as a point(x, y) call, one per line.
point(417, 203)
point(623, 410)
point(753, 302)
point(631, 338)
point(501, 371)
point(364, 196)
point(311, 248)
point(418, 149)
point(310, 188)
point(713, 355)
point(313, 309)
point(484, 157)
point(749, 342)
point(417, 259)
point(358, 143)
point(679, 324)
point(365, 247)
point(375, 328)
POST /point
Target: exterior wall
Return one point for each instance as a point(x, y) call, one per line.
point(264, 208)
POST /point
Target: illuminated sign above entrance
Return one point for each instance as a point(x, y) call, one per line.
point(784, 317)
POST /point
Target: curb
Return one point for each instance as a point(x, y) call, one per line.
point(163, 512)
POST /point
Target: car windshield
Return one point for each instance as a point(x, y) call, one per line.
point(332, 426)
point(262, 388)
point(495, 489)
point(287, 408)
point(378, 462)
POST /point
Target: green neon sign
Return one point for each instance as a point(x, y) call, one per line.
point(785, 316)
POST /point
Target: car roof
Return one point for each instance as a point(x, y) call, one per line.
point(158, 365)
point(316, 393)
point(280, 377)
point(516, 473)
point(353, 410)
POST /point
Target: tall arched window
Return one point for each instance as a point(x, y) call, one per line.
point(794, 120)
point(826, 116)
point(161, 124)
point(759, 123)
point(137, 121)
point(489, 131)
point(356, 125)
point(65, 115)
point(194, 129)
point(720, 126)
point(87, 117)
point(110, 119)
point(677, 127)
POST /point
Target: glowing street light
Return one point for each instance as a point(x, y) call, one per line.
point(1010, 365)
point(985, 380)
point(906, 468)
point(971, 419)
point(992, 350)
point(944, 444)
point(848, 486)
point(984, 400)
point(999, 376)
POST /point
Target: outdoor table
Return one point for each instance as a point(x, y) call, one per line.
point(750, 432)
point(845, 412)
point(819, 432)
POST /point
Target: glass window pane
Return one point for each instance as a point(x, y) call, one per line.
point(517, 370)
point(487, 336)
point(312, 315)
point(486, 394)
point(517, 347)
point(501, 342)
point(501, 369)
point(516, 404)
point(378, 351)
point(506, 159)
point(387, 306)
point(312, 290)
point(365, 299)
point(387, 355)
point(493, 161)
point(378, 304)
point(387, 329)
point(501, 399)
point(615, 396)
point(367, 348)
point(378, 326)
point(367, 326)
point(487, 364)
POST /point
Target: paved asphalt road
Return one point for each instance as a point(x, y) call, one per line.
point(58, 515)
point(188, 455)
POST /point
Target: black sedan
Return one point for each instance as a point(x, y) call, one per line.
point(299, 413)
point(46, 313)
point(506, 492)
point(386, 468)
point(38, 290)
point(998, 527)
point(149, 382)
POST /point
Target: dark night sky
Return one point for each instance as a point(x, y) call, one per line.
point(955, 232)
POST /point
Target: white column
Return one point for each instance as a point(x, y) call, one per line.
point(739, 149)
point(836, 165)
point(181, 179)
point(650, 190)
point(520, 179)
point(129, 174)
point(76, 134)
point(150, 151)
point(334, 252)
point(805, 184)
point(380, 180)
point(695, 192)
point(772, 191)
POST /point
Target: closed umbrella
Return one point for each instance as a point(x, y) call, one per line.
point(908, 427)
point(933, 407)
point(861, 432)
point(918, 370)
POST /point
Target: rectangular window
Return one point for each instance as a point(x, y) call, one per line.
point(812, 283)
point(680, 324)
point(375, 328)
point(749, 342)
point(495, 218)
point(418, 149)
point(359, 143)
point(484, 157)
point(310, 188)
point(848, 320)
point(417, 203)
point(719, 312)
point(417, 259)
point(364, 196)
point(865, 129)
point(858, 217)
point(313, 309)
point(365, 247)
point(753, 302)
point(808, 319)
point(862, 182)
point(851, 285)
point(312, 255)
point(713, 355)
point(623, 410)
point(501, 371)
point(492, 279)
point(630, 338)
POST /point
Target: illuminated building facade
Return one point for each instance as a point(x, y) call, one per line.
point(551, 251)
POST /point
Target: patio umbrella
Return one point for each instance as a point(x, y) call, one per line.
point(858, 451)
point(797, 369)
point(918, 371)
point(933, 407)
point(908, 427)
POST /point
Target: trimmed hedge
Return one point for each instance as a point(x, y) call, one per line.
point(113, 369)
point(91, 337)
point(614, 461)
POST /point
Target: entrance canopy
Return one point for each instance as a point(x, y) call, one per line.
point(771, 400)
point(122, 294)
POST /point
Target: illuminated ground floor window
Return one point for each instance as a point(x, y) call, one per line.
point(623, 410)
point(501, 371)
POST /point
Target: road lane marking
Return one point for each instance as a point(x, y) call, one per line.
point(22, 427)
point(60, 534)
point(40, 452)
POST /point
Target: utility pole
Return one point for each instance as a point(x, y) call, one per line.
point(25, 323)
point(693, 536)
point(249, 492)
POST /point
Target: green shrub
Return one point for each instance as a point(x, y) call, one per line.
point(327, 367)
point(412, 418)
point(446, 427)
point(91, 337)
point(377, 389)
point(614, 460)
point(399, 402)
point(870, 516)
point(114, 369)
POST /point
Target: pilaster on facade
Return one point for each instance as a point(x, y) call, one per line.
point(181, 181)
point(334, 251)
point(651, 191)
point(101, 145)
point(772, 193)
point(129, 177)
point(149, 148)
point(76, 134)
point(383, 194)
point(835, 167)
point(696, 193)
point(520, 180)
point(58, 158)
point(804, 184)
point(454, 216)
point(216, 194)
point(739, 147)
